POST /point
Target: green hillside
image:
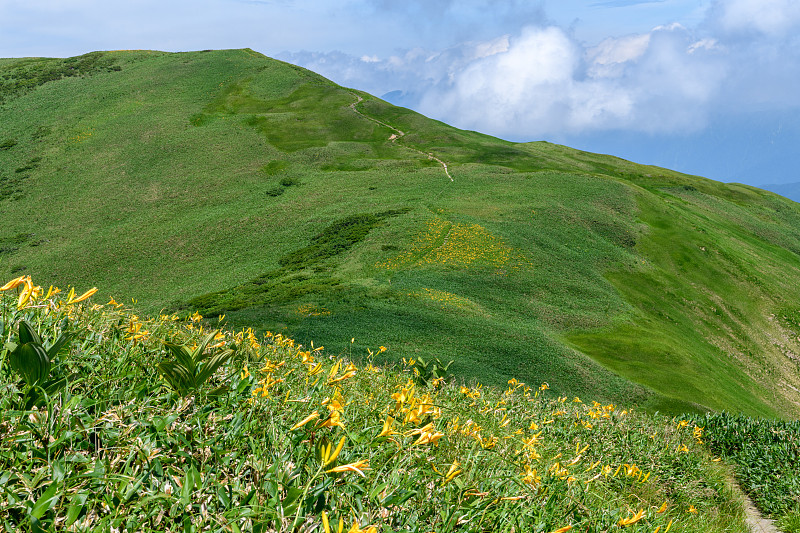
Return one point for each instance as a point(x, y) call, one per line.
point(230, 183)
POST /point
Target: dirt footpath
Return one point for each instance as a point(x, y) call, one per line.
point(757, 523)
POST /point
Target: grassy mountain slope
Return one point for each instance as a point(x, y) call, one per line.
point(227, 182)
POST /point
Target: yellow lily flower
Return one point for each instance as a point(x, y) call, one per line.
point(14, 283)
point(305, 421)
point(452, 473)
point(52, 291)
point(632, 519)
point(333, 420)
point(325, 525)
point(82, 297)
point(388, 430)
point(356, 529)
point(25, 295)
point(328, 457)
point(358, 467)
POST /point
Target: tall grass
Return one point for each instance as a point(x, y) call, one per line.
point(286, 437)
point(766, 458)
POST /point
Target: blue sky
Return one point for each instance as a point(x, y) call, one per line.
point(709, 87)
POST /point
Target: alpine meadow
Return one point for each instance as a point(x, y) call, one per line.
point(224, 190)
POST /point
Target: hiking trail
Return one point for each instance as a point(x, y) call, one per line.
point(399, 134)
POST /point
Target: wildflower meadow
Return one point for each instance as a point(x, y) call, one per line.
point(116, 422)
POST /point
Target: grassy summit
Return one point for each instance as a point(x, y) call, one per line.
point(230, 183)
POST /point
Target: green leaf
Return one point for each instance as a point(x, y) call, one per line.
point(46, 501)
point(198, 355)
point(75, 508)
point(178, 376)
point(57, 346)
point(54, 385)
point(216, 360)
point(182, 356)
point(186, 490)
point(27, 333)
point(31, 362)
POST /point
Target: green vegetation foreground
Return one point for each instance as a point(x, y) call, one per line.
point(109, 421)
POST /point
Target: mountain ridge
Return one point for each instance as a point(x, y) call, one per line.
point(228, 176)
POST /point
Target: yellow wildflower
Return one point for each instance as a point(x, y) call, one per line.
point(358, 467)
point(82, 297)
point(325, 524)
point(305, 421)
point(427, 435)
point(333, 420)
point(632, 519)
point(388, 430)
point(14, 283)
point(356, 529)
point(451, 474)
point(349, 371)
point(25, 295)
point(327, 456)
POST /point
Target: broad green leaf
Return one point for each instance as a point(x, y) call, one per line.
point(57, 346)
point(182, 357)
point(27, 333)
point(178, 376)
point(46, 501)
point(216, 360)
point(31, 362)
point(198, 352)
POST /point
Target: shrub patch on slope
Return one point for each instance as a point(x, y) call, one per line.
point(301, 272)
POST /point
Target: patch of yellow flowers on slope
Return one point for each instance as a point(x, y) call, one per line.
point(458, 245)
point(326, 401)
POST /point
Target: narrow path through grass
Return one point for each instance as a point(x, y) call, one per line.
point(400, 134)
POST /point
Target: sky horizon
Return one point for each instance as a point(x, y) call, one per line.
point(707, 87)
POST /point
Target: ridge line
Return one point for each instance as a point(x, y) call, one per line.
point(395, 136)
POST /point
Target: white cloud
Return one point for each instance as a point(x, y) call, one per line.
point(490, 48)
point(542, 82)
point(546, 83)
point(704, 44)
point(770, 17)
point(609, 57)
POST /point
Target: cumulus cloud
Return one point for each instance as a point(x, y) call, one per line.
point(542, 82)
point(769, 17)
point(547, 83)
